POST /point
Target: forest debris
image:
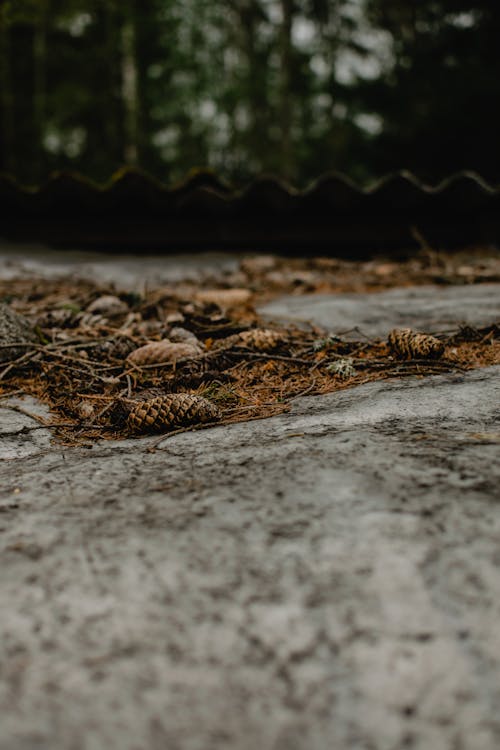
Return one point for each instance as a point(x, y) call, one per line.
point(343, 367)
point(226, 299)
point(407, 344)
point(174, 410)
point(83, 365)
point(58, 318)
point(163, 351)
point(113, 348)
point(85, 409)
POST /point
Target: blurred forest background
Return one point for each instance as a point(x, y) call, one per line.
point(290, 87)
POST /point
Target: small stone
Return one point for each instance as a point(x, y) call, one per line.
point(108, 304)
point(224, 298)
point(182, 335)
point(175, 317)
point(258, 264)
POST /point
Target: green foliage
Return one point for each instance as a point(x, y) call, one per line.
point(293, 87)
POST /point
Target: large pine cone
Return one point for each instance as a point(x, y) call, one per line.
point(166, 412)
point(406, 344)
point(261, 339)
point(160, 352)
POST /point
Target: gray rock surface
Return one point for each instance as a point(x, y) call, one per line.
point(430, 308)
point(126, 271)
point(14, 329)
point(329, 578)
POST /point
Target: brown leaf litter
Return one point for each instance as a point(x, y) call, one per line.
point(111, 365)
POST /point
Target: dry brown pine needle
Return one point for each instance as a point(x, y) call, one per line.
point(174, 410)
point(163, 351)
point(407, 344)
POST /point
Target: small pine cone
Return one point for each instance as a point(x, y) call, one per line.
point(262, 339)
point(160, 352)
point(406, 344)
point(175, 410)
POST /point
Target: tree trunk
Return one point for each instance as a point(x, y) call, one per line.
point(286, 105)
point(129, 85)
point(7, 160)
point(39, 89)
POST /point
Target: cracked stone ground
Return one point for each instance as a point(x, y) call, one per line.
point(327, 578)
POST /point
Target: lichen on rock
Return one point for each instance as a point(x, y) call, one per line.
point(15, 329)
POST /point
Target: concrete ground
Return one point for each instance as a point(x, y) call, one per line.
point(325, 579)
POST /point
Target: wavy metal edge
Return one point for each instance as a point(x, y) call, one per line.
point(208, 179)
point(332, 215)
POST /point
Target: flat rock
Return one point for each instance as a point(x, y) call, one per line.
point(326, 578)
point(127, 271)
point(427, 308)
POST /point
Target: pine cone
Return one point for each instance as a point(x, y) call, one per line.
point(406, 344)
point(174, 410)
point(262, 339)
point(163, 351)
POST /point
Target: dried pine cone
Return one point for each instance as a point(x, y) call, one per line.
point(163, 351)
point(174, 410)
point(262, 339)
point(407, 344)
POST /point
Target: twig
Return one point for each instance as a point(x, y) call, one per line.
point(306, 391)
point(270, 356)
